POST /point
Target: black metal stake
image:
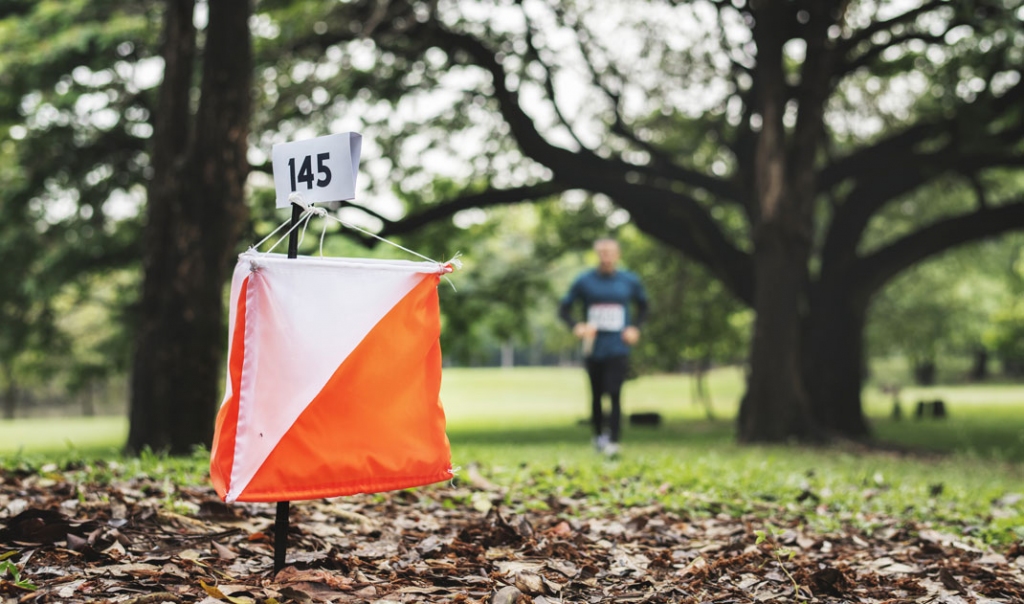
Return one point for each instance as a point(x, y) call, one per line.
point(281, 520)
point(293, 237)
point(280, 535)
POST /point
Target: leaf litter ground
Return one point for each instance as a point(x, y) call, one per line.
point(66, 538)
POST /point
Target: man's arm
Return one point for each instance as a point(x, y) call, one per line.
point(565, 313)
point(641, 312)
point(565, 307)
point(579, 329)
point(631, 334)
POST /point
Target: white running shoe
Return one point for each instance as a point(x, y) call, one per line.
point(601, 443)
point(611, 449)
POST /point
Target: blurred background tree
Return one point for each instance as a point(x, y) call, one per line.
point(73, 128)
point(1003, 334)
point(762, 140)
point(799, 155)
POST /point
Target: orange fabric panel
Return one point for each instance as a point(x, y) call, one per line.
point(377, 425)
point(223, 454)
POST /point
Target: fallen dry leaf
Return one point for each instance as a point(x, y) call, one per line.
point(118, 543)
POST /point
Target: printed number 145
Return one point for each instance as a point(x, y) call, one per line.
point(306, 171)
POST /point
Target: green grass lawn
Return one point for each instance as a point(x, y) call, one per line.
point(546, 404)
point(536, 400)
point(86, 435)
point(523, 428)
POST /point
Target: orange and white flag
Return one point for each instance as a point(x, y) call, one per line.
point(333, 379)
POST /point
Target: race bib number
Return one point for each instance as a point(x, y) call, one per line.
point(607, 317)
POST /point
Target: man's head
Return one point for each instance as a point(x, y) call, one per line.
point(607, 254)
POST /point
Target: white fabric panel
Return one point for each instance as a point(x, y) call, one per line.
point(304, 316)
point(241, 272)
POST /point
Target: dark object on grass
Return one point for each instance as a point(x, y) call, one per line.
point(645, 419)
point(924, 373)
point(830, 581)
point(935, 409)
point(894, 391)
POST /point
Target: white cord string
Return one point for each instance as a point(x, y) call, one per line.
point(303, 218)
point(323, 232)
point(264, 240)
point(379, 238)
point(309, 211)
point(302, 233)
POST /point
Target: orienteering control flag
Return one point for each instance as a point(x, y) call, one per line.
point(334, 370)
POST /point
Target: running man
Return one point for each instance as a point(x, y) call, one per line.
point(607, 334)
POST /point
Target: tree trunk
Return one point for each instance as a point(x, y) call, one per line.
point(701, 393)
point(834, 365)
point(775, 407)
point(979, 365)
point(88, 399)
point(195, 207)
point(10, 393)
point(508, 355)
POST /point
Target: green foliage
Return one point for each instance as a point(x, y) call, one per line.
point(9, 568)
point(959, 303)
point(498, 295)
point(770, 538)
point(94, 315)
point(74, 111)
point(693, 320)
point(1006, 336)
point(517, 263)
point(1005, 333)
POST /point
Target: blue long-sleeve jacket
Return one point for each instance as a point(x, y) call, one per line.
point(606, 299)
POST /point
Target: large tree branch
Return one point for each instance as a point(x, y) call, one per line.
point(896, 165)
point(871, 160)
point(656, 205)
point(365, 210)
point(662, 164)
point(680, 222)
point(587, 171)
point(965, 14)
point(871, 194)
point(347, 21)
point(483, 199)
point(549, 84)
point(673, 219)
point(887, 25)
point(876, 269)
point(664, 167)
point(812, 94)
point(531, 142)
point(867, 57)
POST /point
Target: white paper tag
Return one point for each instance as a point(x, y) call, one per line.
point(607, 317)
point(319, 169)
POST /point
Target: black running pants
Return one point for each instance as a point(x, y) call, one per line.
point(606, 377)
